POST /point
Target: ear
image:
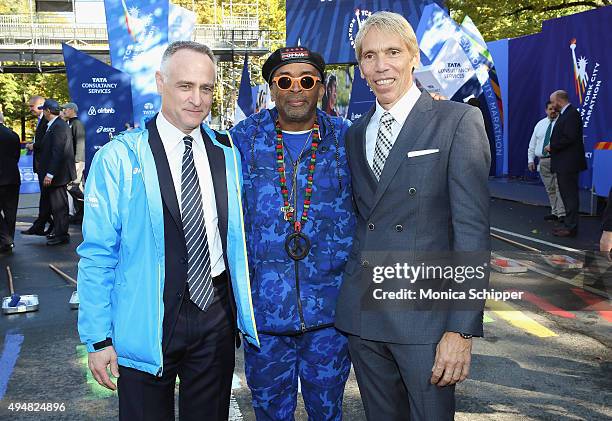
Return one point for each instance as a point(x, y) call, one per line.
point(360, 71)
point(321, 91)
point(273, 92)
point(159, 81)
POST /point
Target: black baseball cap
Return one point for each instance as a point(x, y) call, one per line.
point(51, 105)
point(288, 55)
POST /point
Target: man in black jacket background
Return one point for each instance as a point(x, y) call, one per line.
point(44, 208)
point(10, 180)
point(55, 166)
point(567, 159)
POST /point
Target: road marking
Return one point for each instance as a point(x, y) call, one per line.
point(595, 303)
point(519, 319)
point(537, 240)
point(533, 266)
point(98, 392)
point(545, 305)
point(10, 354)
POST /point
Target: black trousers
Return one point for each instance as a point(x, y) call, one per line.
point(201, 352)
point(568, 187)
point(9, 201)
point(58, 201)
point(394, 382)
point(44, 207)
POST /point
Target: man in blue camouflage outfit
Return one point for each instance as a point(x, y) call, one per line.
point(299, 225)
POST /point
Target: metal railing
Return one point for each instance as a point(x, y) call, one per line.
point(22, 31)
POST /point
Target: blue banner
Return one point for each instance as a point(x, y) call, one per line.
point(571, 53)
point(103, 95)
point(137, 37)
point(29, 179)
point(329, 27)
point(362, 97)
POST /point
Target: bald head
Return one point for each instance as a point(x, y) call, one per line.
point(35, 102)
point(559, 99)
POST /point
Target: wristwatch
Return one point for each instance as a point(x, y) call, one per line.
point(466, 335)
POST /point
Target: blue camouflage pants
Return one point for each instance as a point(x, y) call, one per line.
point(320, 359)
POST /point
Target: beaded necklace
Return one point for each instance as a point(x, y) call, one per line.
point(287, 209)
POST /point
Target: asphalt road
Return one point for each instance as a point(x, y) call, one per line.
point(536, 362)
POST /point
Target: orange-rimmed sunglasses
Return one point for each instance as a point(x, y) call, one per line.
point(285, 83)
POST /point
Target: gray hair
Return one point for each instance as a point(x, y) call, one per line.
point(1, 118)
point(37, 98)
point(390, 23)
point(185, 45)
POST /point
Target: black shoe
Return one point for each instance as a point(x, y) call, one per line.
point(33, 231)
point(8, 248)
point(50, 236)
point(551, 217)
point(49, 231)
point(64, 239)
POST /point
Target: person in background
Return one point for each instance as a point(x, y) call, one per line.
point(56, 169)
point(70, 111)
point(540, 139)
point(567, 159)
point(331, 96)
point(44, 207)
point(10, 180)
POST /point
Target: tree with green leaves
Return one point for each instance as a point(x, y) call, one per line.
point(509, 19)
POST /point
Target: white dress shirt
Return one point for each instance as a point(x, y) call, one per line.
point(399, 112)
point(172, 139)
point(537, 139)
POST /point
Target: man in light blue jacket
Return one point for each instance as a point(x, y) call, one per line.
point(163, 278)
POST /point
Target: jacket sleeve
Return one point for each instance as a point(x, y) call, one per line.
point(468, 172)
point(570, 133)
point(99, 251)
point(59, 138)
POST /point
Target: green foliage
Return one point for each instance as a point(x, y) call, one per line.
point(508, 19)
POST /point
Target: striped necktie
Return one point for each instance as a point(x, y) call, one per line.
point(545, 154)
point(199, 278)
point(383, 143)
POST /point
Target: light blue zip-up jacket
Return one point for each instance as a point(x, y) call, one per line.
point(122, 265)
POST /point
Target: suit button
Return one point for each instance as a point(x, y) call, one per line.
point(365, 264)
point(179, 295)
point(399, 228)
point(411, 191)
point(184, 260)
point(371, 226)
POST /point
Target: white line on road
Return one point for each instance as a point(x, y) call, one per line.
point(536, 240)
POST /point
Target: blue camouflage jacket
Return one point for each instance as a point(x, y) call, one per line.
point(289, 297)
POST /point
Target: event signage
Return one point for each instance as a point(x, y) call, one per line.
point(329, 27)
point(137, 37)
point(103, 95)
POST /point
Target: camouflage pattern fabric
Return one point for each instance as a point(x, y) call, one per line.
point(320, 359)
point(286, 300)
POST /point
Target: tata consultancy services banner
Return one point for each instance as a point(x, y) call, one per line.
point(103, 95)
point(329, 27)
point(137, 37)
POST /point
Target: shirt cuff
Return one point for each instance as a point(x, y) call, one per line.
point(50, 176)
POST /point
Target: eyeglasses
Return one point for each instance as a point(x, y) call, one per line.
point(285, 83)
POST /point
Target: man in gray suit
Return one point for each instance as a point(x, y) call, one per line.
point(419, 171)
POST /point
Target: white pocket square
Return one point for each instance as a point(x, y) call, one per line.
point(412, 154)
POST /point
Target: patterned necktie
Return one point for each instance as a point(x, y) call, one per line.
point(199, 278)
point(383, 144)
point(547, 139)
